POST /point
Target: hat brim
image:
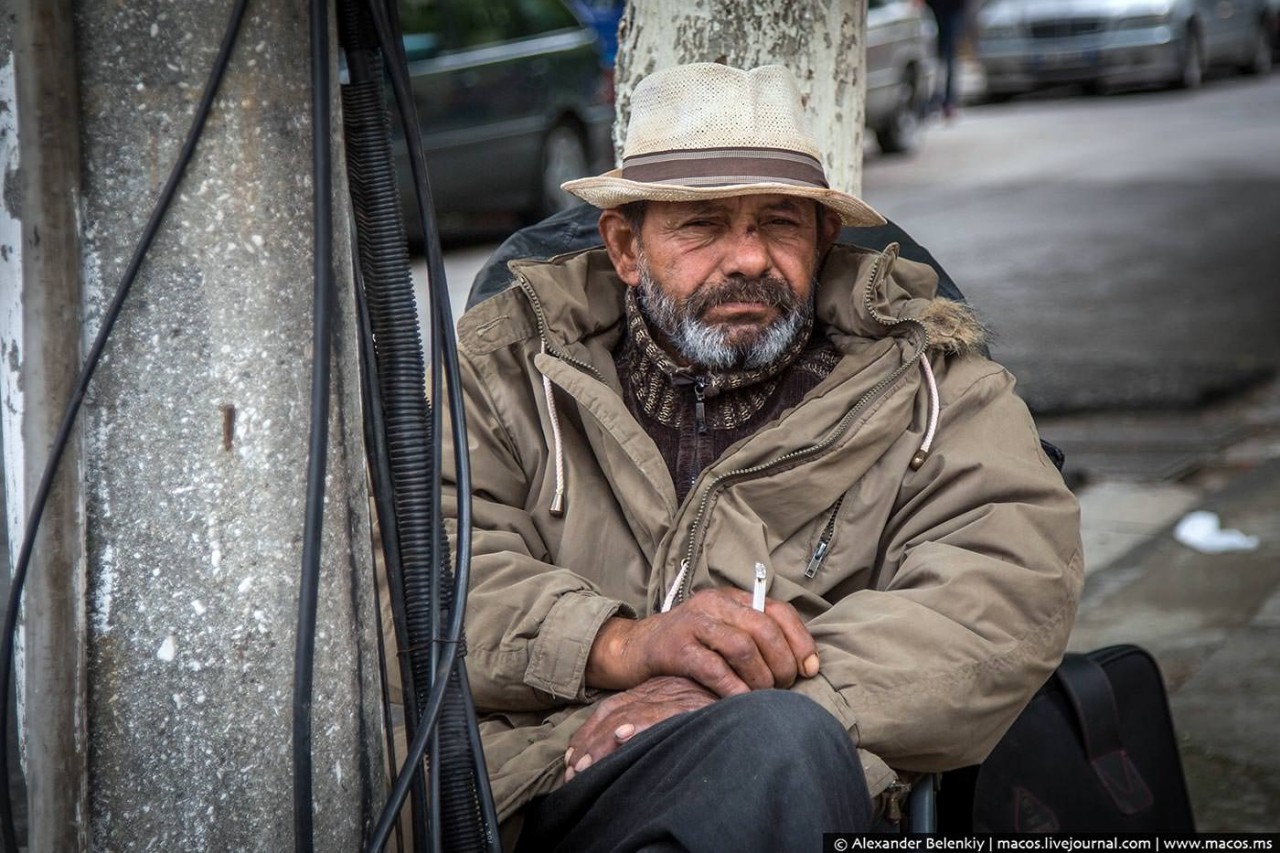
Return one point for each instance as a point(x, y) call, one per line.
point(608, 191)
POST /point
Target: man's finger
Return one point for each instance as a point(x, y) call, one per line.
point(712, 671)
point(734, 607)
point(747, 651)
point(798, 639)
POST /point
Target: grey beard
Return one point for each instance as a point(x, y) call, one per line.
point(706, 344)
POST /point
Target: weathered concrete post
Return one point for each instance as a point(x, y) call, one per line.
point(195, 433)
point(821, 41)
point(42, 329)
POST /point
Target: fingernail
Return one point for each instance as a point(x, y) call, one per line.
point(568, 757)
point(583, 763)
point(810, 666)
point(568, 774)
point(624, 731)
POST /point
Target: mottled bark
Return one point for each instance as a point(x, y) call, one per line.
point(821, 41)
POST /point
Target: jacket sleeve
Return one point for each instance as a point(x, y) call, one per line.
point(529, 623)
point(980, 573)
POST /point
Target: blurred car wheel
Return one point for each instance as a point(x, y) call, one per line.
point(564, 157)
point(1191, 70)
point(1260, 61)
point(900, 133)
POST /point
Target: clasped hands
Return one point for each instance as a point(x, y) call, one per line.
point(711, 646)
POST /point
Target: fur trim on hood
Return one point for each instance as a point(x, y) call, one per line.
point(954, 328)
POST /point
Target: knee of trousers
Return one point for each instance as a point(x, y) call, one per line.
point(795, 729)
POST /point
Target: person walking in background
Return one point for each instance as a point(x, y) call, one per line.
point(950, 15)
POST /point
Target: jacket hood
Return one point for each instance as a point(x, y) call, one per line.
point(869, 294)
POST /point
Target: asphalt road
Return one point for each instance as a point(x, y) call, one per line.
point(1123, 249)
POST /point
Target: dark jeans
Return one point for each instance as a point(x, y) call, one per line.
point(765, 771)
point(950, 30)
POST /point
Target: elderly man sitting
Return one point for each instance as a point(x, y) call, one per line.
point(759, 532)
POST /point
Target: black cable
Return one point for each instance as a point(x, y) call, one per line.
point(63, 436)
point(313, 524)
point(443, 331)
point(488, 812)
point(377, 235)
point(380, 476)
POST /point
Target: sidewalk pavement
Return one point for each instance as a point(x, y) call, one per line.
point(1211, 620)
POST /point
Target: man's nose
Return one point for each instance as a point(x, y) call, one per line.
point(747, 255)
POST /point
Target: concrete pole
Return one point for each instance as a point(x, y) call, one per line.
point(53, 648)
point(195, 451)
point(821, 41)
point(38, 252)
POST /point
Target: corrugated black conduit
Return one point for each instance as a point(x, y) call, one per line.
point(375, 441)
point(464, 819)
point(391, 343)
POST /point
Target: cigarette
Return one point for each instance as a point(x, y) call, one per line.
point(757, 594)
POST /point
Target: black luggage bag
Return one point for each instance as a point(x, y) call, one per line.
point(1094, 751)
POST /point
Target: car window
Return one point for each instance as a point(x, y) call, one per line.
point(544, 16)
point(481, 22)
point(419, 16)
point(420, 23)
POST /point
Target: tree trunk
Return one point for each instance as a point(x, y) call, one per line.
point(195, 447)
point(821, 41)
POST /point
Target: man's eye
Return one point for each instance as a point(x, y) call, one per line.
point(783, 222)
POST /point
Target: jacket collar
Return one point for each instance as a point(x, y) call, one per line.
point(861, 293)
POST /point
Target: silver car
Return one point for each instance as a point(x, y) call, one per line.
point(901, 46)
point(1029, 44)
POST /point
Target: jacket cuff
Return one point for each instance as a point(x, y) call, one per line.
point(820, 690)
point(558, 655)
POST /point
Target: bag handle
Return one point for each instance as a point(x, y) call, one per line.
point(1094, 702)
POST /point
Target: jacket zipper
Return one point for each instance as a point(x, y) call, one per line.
point(836, 433)
point(824, 541)
point(700, 404)
point(552, 349)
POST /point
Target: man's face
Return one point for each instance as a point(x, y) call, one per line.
point(727, 282)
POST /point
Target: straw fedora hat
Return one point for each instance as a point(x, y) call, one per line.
point(706, 131)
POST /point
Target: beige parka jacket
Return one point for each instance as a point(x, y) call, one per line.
point(940, 594)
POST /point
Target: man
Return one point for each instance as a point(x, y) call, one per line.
point(758, 532)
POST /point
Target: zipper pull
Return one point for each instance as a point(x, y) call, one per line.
point(700, 404)
point(824, 541)
point(815, 562)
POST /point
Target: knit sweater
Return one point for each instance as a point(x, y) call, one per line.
point(694, 414)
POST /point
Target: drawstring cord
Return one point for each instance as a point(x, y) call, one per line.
point(557, 500)
point(922, 455)
point(670, 600)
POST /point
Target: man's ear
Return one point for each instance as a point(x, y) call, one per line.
point(623, 245)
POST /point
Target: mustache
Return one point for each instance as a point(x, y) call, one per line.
point(767, 290)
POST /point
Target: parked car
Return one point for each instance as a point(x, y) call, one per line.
point(901, 50)
point(1029, 44)
point(512, 99)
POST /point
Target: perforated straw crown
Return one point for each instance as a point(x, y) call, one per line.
point(706, 131)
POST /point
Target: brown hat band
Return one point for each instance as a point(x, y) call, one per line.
point(711, 167)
